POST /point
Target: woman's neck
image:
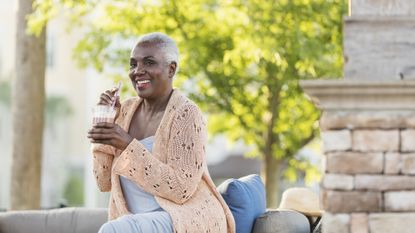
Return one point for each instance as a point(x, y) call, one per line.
point(156, 105)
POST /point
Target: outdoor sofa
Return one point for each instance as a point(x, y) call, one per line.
point(245, 197)
point(88, 220)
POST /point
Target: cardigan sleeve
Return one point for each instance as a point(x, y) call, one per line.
point(103, 156)
point(178, 178)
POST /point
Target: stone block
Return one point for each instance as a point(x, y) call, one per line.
point(359, 223)
point(391, 222)
point(383, 7)
point(336, 140)
point(384, 183)
point(338, 181)
point(335, 223)
point(392, 163)
point(375, 140)
point(379, 48)
point(354, 162)
point(403, 201)
point(324, 164)
point(408, 163)
point(367, 119)
point(408, 140)
point(351, 201)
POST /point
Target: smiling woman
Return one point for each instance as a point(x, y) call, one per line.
point(152, 158)
point(151, 71)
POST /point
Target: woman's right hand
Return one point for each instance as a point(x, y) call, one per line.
point(108, 97)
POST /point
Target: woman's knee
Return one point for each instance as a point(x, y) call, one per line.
point(107, 228)
point(122, 225)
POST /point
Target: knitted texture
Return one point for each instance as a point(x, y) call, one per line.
point(175, 173)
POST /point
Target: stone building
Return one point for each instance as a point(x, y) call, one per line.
point(368, 122)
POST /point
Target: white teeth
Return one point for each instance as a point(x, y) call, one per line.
point(143, 81)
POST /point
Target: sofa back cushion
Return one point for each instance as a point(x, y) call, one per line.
point(246, 199)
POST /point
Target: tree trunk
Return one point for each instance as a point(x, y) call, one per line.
point(27, 110)
point(272, 179)
point(271, 164)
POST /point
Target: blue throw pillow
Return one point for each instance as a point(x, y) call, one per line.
point(246, 199)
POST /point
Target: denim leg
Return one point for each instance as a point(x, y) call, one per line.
point(157, 222)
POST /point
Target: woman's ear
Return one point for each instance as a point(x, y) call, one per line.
point(172, 69)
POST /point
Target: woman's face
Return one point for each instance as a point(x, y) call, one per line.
point(150, 74)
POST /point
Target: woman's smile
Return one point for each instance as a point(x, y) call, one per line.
point(142, 84)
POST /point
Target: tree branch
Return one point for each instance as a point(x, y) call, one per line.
point(178, 21)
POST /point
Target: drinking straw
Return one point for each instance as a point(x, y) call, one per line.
point(116, 95)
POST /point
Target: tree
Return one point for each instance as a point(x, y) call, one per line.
point(241, 62)
point(27, 109)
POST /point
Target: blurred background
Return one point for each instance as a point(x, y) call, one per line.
point(240, 61)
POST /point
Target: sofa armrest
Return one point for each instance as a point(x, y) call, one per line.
point(281, 221)
point(65, 220)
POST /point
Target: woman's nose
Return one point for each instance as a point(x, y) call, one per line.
point(139, 70)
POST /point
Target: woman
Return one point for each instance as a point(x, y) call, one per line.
point(152, 158)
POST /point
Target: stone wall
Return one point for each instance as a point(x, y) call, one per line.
point(374, 50)
point(379, 40)
point(368, 133)
point(369, 171)
point(368, 123)
point(382, 7)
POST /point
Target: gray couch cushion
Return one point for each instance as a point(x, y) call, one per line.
point(275, 221)
point(87, 220)
point(65, 220)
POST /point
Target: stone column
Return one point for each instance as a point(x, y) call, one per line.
point(368, 123)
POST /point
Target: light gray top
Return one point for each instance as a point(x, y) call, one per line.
point(138, 200)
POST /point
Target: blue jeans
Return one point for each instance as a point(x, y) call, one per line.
point(157, 222)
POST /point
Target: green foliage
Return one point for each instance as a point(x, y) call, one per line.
point(74, 190)
point(241, 60)
point(57, 106)
point(46, 10)
point(5, 93)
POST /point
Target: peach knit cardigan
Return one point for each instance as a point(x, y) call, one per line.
point(175, 172)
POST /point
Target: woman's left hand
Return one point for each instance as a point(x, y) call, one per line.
point(109, 134)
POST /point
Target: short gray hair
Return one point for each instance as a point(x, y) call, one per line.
point(165, 43)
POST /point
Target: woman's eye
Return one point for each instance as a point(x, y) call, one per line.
point(132, 65)
point(148, 62)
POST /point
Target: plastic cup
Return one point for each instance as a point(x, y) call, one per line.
point(103, 113)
